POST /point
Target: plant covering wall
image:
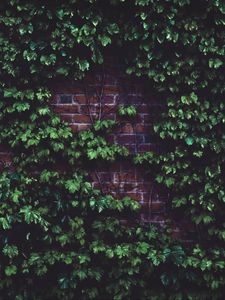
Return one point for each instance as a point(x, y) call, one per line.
point(109, 93)
point(59, 236)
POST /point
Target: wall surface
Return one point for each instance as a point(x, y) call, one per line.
point(98, 97)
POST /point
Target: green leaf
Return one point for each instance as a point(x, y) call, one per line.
point(189, 141)
point(105, 40)
point(10, 270)
point(60, 14)
point(10, 251)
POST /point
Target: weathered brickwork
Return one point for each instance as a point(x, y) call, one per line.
point(5, 157)
point(98, 97)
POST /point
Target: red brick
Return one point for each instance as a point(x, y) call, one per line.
point(145, 147)
point(110, 186)
point(122, 119)
point(144, 108)
point(110, 108)
point(96, 108)
point(108, 117)
point(74, 128)
point(110, 138)
point(5, 158)
point(109, 99)
point(119, 178)
point(127, 128)
point(139, 138)
point(135, 196)
point(80, 118)
point(67, 118)
point(145, 188)
point(66, 108)
point(54, 99)
point(154, 218)
point(125, 176)
point(153, 207)
point(110, 89)
point(125, 139)
point(6, 155)
point(83, 126)
point(86, 109)
point(95, 185)
point(105, 176)
point(80, 98)
point(86, 99)
point(94, 177)
point(142, 128)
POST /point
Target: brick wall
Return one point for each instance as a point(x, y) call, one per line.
point(5, 157)
point(98, 97)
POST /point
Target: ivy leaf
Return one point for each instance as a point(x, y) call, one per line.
point(10, 251)
point(129, 111)
point(60, 13)
point(165, 279)
point(63, 283)
point(189, 141)
point(22, 29)
point(92, 202)
point(73, 185)
point(44, 110)
point(62, 71)
point(105, 40)
point(32, 45)
point(10, 270)
point(215, 63)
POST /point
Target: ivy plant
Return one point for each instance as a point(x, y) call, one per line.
point(60, 237)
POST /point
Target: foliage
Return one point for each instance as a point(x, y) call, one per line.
point(59, 236)
point(129, 111)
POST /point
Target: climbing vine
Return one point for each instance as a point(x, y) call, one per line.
point(59, 236)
